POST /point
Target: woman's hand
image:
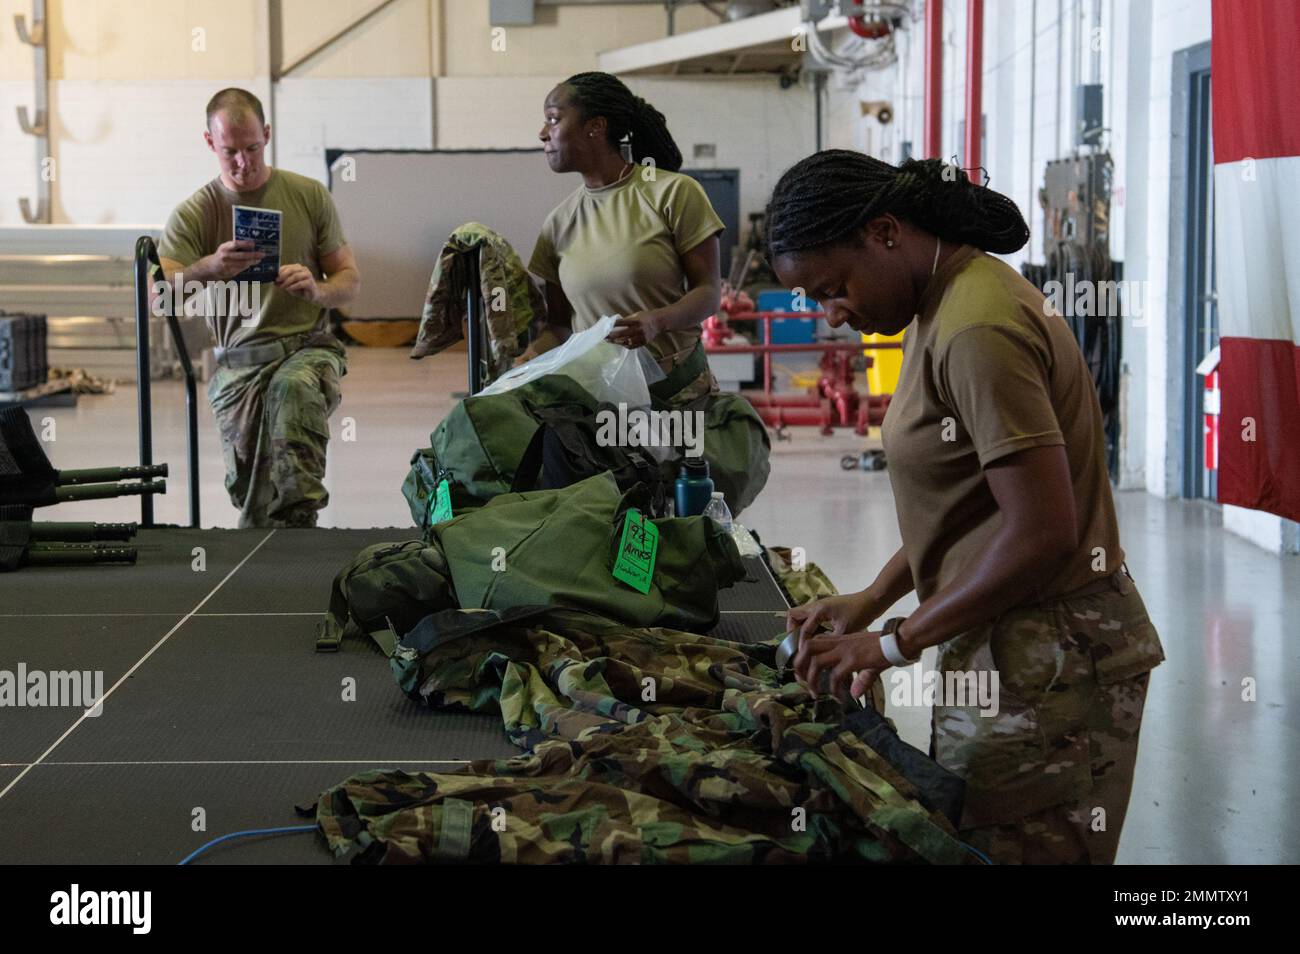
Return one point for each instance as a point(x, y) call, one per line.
point(547, 338)
point(845, 613)
point(841, 656)
point(636, 330)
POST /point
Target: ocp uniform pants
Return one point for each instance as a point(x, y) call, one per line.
point(1049, 776)
point(274, 426)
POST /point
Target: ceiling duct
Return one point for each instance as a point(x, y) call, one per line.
point(739, 9)
point(873, 24)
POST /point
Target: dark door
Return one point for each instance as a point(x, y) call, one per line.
point(722, 186)
point(1200, 309)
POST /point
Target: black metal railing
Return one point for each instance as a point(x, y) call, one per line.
point(146, 255)
point(473, 316)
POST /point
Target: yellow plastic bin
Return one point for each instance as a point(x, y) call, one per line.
point(882, 376)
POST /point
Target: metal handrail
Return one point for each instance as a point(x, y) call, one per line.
point(146, 254)
point(473, 316)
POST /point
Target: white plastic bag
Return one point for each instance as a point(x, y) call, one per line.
point(608, 372)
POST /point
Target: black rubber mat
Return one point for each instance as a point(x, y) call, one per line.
point(752, 611)
point(144, 814)
point(235, 689)
point(234, 712)
point(749, 626)
point(164, 580)
point(292, 572)
point(107, 644)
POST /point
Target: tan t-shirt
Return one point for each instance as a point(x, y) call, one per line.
point(617, 250)
point(309, 231)
point(987, 373)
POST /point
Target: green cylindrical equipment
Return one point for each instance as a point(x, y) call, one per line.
point(101, 491)
point(68, 554)
point(81, 532)
point(95, 475)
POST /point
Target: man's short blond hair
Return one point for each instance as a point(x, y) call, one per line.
point(236, 103)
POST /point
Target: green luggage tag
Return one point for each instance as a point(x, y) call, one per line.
point(635, 564)
point(440, 503)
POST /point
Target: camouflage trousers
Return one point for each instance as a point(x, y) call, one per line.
point(1049, 775)
point(273, 420)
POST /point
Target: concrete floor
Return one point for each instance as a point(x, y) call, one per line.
point(1216, 776)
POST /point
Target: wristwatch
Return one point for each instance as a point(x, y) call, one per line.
point(889, 642)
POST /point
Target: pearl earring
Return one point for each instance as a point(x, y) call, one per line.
point(889, 243)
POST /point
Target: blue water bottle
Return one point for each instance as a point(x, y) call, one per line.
point(694, 487)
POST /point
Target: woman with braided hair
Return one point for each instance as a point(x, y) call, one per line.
point(636, 239)
point(998, 467)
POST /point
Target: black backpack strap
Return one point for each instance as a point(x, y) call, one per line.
point(530, 464)
point(329, 632)
point(647, 472)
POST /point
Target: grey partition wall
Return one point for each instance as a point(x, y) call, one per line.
point(399, 207)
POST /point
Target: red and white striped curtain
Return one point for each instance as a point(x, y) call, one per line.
point(1255, 82)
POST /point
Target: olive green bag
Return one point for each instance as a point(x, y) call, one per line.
point(542, 547)
point(479, 444)
point(558, 548)
point(736, 447)
point(384, 592)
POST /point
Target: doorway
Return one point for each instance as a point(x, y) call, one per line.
point(1193, 311)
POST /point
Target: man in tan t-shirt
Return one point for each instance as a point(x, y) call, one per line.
point(277, 379)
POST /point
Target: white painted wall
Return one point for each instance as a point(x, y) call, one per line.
point(350, 113)
point(128, 142)
point(128, 151)
point(756, 126)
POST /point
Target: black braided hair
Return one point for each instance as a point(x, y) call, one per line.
point(830, 195)
point(603, 94)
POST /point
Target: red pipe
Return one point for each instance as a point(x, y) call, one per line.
point(974, 84)
point(933, 79)
point(824, 417)
point(767, 356)
point(799, 417)
point(766, 399)
point(772, 315)
point(787, 348)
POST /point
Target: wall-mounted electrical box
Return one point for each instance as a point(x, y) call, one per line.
point(1088, 106)
point(511, 12)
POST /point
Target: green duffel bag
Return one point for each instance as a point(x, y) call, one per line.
point(384, 592)
point(558, 548)
point(479, 444)
point(736, 447)
point(421, 485)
